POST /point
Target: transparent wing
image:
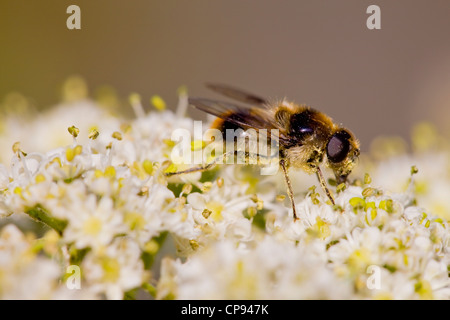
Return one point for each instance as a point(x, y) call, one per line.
point(241, 116)
point(237, 94)
point(244, 117)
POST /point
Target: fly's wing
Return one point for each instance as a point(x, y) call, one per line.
point(235, 115)
point(232, 116)
point(237, 94)
point(245, 130)
point(260, 116)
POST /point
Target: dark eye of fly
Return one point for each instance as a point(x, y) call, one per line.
point(338, 146)
point(301, 123)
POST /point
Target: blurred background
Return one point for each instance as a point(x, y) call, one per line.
point(318, 52)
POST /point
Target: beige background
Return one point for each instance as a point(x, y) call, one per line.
point(316, 52)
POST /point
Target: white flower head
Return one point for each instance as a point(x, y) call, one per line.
point(92, 223)
point(101, 188)
point(114, 269)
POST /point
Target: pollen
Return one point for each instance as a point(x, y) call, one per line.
point(110, 172)
point(148, 166)
point(93, 134)
point(74, 131)
point(158, 102)
point(111, 269)
point(216, 208)
point(71, 153)
point(197, 145)
point(39, 178)
point(134, 220)
point(92, 226)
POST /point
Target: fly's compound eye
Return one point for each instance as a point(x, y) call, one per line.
point(338, 147)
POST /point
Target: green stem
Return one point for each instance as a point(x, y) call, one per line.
point(149, 257)
point(150, 289)
point(40, 214)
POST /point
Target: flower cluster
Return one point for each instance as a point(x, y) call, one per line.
point(111, 225)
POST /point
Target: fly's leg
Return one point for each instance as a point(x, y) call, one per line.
point(324, 186)
point(289, 187)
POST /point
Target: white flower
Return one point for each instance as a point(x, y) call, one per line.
point(48, 130)
point(267, 270)
point(111, 207)
point(114, 269)
point(359, 249)
point(431, 184)
point(220, 212)
point(436, 276)
point(92, 222)
point(23, 274)
point(148, 137)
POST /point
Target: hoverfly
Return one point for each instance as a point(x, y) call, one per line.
point(306, 137)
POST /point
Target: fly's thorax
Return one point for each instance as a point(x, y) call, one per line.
point(308, 133)
point(306, 157)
